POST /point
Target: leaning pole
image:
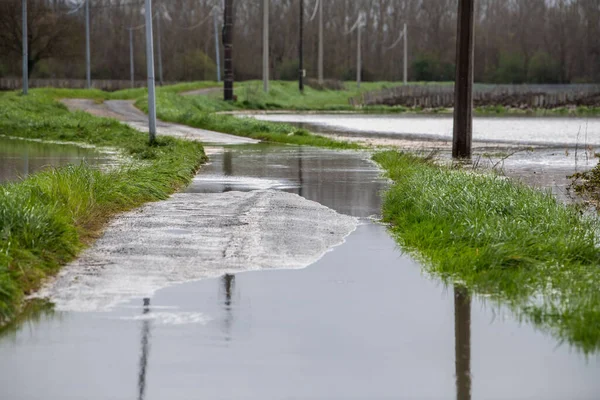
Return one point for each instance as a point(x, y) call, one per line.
point(463, 86)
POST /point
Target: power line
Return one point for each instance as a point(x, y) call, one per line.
point(192, 27)
point(314, 14)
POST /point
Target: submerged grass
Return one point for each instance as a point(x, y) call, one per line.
point(502, 239)
point(46, 219)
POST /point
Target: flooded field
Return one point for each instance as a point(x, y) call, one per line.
point(363, 322)
point(19, 158)
point(556, 131)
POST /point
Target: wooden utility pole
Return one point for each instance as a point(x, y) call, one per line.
point(301, 49)
point(320, 61)
point(24, 37)
point(358, 57)
point(88, 68)
point(228, 45)
point(463, 86)
point(405, 55)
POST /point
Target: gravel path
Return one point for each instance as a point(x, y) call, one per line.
point(125, 111)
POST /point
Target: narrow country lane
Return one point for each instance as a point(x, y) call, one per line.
point(205, 296)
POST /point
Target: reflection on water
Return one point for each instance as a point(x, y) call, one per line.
point(343, 181)
point(336, 330)
point(462, 337)
point(144, 353)
point(19, 158)
point(33, 312)
point(228, 286)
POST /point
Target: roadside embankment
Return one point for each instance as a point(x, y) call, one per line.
point(202, 112)
point(48, 218)
point(501, 239)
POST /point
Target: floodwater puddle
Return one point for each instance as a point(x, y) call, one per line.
point(19, 158)
point(362, 322)
point(569, 131)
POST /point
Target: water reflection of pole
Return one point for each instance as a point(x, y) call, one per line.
point(228, 284)
point(26, 163)
point(227, 168)
point(462, 336)
point(300, 173)
point(145, 352)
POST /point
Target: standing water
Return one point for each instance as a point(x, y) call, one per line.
point(363, 322)
point(19, 158)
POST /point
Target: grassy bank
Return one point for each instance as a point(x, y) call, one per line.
point(49, 217)
point(502, 239)
point(200, 112)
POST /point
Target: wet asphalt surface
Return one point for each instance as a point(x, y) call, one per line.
point(363, 322)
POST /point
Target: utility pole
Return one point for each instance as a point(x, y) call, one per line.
point(25, 52)
point(217, 55)
point(405, 55)
point(227, 43)
point(159, 48)
point(150, 66)
point(131, 59)
point(301, 49)
point(320, 41)
point(358, 56)
point(88, 68)
point(463, 87)
point(266, 46)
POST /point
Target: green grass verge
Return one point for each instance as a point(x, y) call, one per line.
point(46, 219)
point(199, 112)
point(502, 239)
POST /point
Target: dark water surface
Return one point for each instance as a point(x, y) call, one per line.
point(19, 158)
point(361, 323)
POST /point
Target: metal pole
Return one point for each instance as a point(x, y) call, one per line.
point(150, 65)
point(217, 55)
point(227, 43)
point(158, 36)
point(88, 68)
point(131, 59)
point(358, 58)
point(266, 46)
point(25, 52)
point(320, 41)
point(301, 49)
point(463, 87)
point(405, 55)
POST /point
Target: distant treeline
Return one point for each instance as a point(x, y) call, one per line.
point(536, 41)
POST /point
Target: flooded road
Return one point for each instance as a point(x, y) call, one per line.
point(556, 131)
point(19, 158)
point(541, 152)
point(363, 322)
